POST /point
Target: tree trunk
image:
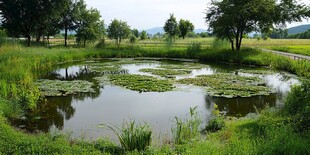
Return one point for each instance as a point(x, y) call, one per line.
point(38, 38)
point(66, 35)
point(84, 42)
point(28, 40)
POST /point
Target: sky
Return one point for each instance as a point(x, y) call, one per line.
point(146, 14)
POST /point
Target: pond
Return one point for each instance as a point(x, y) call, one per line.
point(82, 96)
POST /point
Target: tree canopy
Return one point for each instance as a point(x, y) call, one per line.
point(118, 30)
point(171, 26)
point(26, 18)
point(231, 19)
point(90, 28)
point(185, 26)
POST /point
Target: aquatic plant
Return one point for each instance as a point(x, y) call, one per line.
point(167, 73)
point(62, 88)
point(141, 83)
point(133, 136)
point(187, 130)
point(229, 85)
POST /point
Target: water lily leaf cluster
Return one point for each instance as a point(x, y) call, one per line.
point(141, 83)
point(183, 66)
point(262, 72)
point(63, 88)
point(229, 85)
point(167, 73)
point(107, 68)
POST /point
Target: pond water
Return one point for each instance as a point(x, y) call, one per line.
point(81, 113)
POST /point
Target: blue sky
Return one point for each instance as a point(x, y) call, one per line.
point(145, 14)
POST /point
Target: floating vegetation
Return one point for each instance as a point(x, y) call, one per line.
point(167, 73)
point(229, 85)
point(105, 69)
point(263, 72)
point(141, 83)
point(63, 88)
point(184, 66)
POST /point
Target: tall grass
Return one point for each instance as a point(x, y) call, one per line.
point(133, 136)
point(187, 130)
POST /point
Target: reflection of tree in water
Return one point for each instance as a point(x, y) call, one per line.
point(241, 106)
point(52, 113)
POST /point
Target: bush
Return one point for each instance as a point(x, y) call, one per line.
point(215, 124)
point(193, 49)
point(297, 106)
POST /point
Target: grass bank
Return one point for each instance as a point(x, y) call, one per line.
point(21, 66)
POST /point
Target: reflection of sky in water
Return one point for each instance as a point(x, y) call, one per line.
point(278, 82)
point(196, 72)
point(134, 68)
point(72, 71)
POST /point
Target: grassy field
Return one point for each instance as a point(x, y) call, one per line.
point(271, 133)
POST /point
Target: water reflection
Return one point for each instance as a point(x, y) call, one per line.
point(240, 107)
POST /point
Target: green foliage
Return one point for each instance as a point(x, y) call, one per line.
point(135, 32)
point(90, 28)
point(194, 49)
point(297, 106)
point(232, 19)
point(133, 136)
point(216, 122)
point(171, 27)
point(185, 26)
point(118, 30)
point(132, 39)
point(143, 35)
point(3, 36)
point(187, 130)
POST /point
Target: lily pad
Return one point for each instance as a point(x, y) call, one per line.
point(141, 83)
point(262, 72)
point(167, 73)
point(184, 66)
point(229, 85)
point(63, 88)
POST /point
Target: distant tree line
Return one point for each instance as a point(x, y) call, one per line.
point(40, 18)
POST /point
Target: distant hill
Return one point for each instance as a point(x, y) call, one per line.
point(161, 30)
point(155, 30)
point(298, 29)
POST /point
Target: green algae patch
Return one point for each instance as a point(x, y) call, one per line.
point(229, 85)
point(141, 83)
point(63, 88)
point(167, 73)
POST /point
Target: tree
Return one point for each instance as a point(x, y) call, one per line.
point(231, 19)
point(70, 15)
point(22, 18)
point(90, 28)
point(135, 32)
point(143, 35)
point(185, 26)
point(118, 30)
point(171, 27)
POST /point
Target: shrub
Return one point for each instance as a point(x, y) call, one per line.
point(297, 106)
point(215, 124)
